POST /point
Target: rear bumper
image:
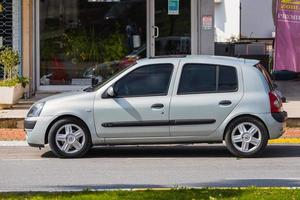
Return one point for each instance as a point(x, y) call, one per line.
point(280, 117)
point(275, 127)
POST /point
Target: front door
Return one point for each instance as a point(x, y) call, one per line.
point(140, 107)
point(171, 27)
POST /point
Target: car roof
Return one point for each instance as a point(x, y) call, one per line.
point(226, 60)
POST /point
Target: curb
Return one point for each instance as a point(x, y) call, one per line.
point(285, 141)
point(13, 144)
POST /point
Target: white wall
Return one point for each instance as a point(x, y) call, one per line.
point(257, 19)
point(227, 20)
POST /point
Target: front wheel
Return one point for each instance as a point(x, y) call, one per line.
point(246, 137)
point(69, 138)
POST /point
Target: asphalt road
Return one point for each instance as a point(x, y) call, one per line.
point(28, 169)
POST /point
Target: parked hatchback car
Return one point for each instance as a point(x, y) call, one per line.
point(187, 99)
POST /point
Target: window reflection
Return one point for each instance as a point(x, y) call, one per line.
point(80, 40)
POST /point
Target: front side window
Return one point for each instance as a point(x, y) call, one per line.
point(206, 78)
point(150, 80)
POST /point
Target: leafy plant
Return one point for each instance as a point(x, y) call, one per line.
point(82, 46)
point(14, 81)
point(77, 46)
point(113, 47)
point(23, 81)
point(9, 58)
point(233, 39)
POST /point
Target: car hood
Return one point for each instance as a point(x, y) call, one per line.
point(64, 95)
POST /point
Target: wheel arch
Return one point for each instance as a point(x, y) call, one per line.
point(245, 115)
point(64, 117)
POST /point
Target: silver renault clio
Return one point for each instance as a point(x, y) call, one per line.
point(173, 100)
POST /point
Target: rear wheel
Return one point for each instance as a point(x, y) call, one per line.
point(246, 137)
point(69, 138)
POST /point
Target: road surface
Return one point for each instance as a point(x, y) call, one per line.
point(29, 169)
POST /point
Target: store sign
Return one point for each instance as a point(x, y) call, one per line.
point(207, 22)
point(173, 7)
point(287, 43)
point(1, 8)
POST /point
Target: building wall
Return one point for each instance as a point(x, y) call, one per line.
point(27, 43)
point(207, 36)
point(227, 20)
point(256, 19)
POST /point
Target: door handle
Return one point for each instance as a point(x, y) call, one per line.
point(156, 32)
point(225, 103)
point(157, 106)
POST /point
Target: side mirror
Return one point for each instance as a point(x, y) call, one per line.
point(94, 81)
point(110, 91)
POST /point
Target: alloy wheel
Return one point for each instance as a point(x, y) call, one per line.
point(70, 138)
point(246, 137)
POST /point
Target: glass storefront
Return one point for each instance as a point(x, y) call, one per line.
point(80, 41)
point(173, 30)
point(85, 39)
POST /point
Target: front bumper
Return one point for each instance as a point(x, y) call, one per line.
point(36, 129)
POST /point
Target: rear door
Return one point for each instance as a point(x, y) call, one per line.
point(204, 96)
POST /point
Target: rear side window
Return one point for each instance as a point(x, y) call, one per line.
point(227, 79)
point(197, 78)
point(266, 75)
point(205, 78)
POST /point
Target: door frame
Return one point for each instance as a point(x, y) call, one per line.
point(151, 30)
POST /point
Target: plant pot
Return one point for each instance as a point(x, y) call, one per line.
point(10, 95)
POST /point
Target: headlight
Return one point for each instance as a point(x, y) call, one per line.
point(36, 110)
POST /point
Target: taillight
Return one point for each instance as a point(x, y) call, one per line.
point(275, 102)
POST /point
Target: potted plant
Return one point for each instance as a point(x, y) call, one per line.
point(12, 86)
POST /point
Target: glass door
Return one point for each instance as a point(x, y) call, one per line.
point(171, 27)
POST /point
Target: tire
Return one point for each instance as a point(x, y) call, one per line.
point(246, 137)
point(69, 138)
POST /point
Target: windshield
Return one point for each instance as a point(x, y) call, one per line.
point(104, 81)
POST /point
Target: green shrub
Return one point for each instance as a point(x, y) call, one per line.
point(14, 81)
point(9, 58)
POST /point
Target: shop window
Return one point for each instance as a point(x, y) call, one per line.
point(81, 40)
